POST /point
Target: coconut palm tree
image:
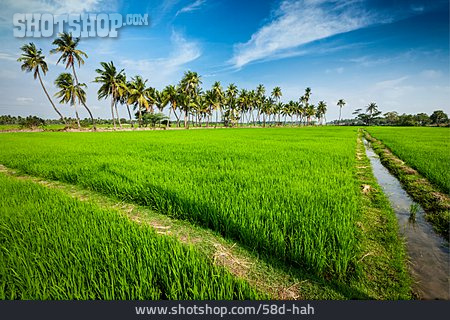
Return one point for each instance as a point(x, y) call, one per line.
point(372, 109)
point(160, 101)
point(231, 100)
point(218, 99)
point(66, 45)
point(310, 112)
point(210, 100)
point(276, 95)
point(321, 111)
point(123, 93)
point(171, 95)
point(190, 87)
point(33, 61)
point(340, 104)
point(140, 96)
point(242, 103)
point(259, 99)
point(70, 92)
point(110, 80)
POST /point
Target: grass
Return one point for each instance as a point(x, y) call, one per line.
point(285, 192)
point(55, 247)
point(424, 149)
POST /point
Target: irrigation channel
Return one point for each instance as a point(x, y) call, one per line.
point(428, 252)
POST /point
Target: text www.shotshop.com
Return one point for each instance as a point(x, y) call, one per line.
point(261, 309)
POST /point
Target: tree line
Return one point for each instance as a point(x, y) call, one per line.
point(371, 115)
point(187, 101)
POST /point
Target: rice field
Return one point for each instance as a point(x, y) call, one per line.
point(289, 198)
point(424, 149)
point(55, 247)
point(283, 192)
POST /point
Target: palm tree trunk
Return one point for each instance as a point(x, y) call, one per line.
point(168, 120)
point(129, 114)
point(49, 99)
point(217, 118)
point(140, 116)
point(117, 113)
point(84, 104)
point(340, 109)
point(186, 119)
point(112, 111)
point(78, 118)
point(176, 116)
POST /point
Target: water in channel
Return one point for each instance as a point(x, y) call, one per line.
point(429, 253)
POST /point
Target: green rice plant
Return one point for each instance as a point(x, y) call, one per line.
point(55, 247)
point(288, 193)
point(413, 209)
point(424, 149)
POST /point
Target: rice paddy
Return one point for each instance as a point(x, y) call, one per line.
point(264, 188)
point(55, 247)
point(284, 194)
point(424, 149)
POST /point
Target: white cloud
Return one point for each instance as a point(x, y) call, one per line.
point(391, 83)
point(24, 100)
point(299, 22)
point(338, 70)
point(191, 7)
point(431, 74)
point(160, 70)
point(7, 56)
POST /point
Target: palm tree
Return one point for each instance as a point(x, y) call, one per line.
point(170, 93)
point(190, 87)
point(259, 99)
point(111, 81)
point(33, 60)
point(160, 101)
point(321, 110)
point(70, 92)
point(230, 95)
point(66, 45)
point(123, 95)
point(141, 96)
point(242, 102)
point(340, 104)
point(276, 95)
point(310, 112)
point(286, 111)
point(218, 99)
point(372, 109)
point(210, 100)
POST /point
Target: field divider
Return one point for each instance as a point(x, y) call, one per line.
point(279, 282)
point(435, 203)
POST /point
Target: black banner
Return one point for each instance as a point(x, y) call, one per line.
point(50, 310)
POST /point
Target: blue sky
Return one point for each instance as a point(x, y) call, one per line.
point(394, 53)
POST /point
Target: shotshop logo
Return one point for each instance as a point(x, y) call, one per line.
point(37, 25)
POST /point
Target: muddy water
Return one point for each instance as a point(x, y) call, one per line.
point(429, 254)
